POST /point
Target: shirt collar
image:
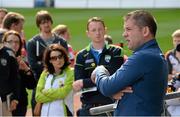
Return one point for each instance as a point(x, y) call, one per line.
point(146, 45)
point(94, 50)
point(106, 46)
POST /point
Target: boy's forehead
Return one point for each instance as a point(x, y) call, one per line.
point(176, 38)
point(45, 20)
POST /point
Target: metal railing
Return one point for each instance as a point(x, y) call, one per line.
point(111, 107)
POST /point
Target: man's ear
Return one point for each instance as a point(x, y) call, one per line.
point(105, 30)
point(146, 31)
point(87, 33)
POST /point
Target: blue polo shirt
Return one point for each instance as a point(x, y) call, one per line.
point(96, 53)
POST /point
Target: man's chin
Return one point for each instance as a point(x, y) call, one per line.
point(48, 31)
point(129, 47)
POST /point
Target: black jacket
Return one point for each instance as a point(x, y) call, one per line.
point(9, 75)
point(27, 81)
point(111, 57)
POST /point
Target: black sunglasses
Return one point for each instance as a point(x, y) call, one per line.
point(54, 58)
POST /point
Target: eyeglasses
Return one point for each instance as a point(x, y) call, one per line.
point(54, 58)
point(11, 42)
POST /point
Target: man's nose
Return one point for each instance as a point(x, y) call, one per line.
point(124, 34)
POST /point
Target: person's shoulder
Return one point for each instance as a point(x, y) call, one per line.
point(57, 37)
point(9, 51)
point(146, 58)
point(69, 69)
point(169, 52)
point(142, 54)
point(82, 54)
point(44, 73)
point(34, 38)
point(145, 52)
point(150, 55)
point(70, 47)
point(83, 51)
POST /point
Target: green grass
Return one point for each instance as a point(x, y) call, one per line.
point(168, 20)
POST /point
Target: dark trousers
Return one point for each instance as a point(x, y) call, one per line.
point(33, 100)
point(20, 110)
point(84, 111)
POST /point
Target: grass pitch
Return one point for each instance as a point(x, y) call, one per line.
point(168, 20)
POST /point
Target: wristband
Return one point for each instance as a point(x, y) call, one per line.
point(29, 70)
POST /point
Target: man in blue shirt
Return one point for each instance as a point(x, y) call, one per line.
point(145, 71)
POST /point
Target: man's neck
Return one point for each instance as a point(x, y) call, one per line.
point(98, 46)
point(1, 45)
point(45, 35)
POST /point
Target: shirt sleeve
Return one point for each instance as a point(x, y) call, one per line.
point(125, 76)
point(80, 72)
point(28, 80)
point(61, 92)
point(40, 97)
point(15, 77)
